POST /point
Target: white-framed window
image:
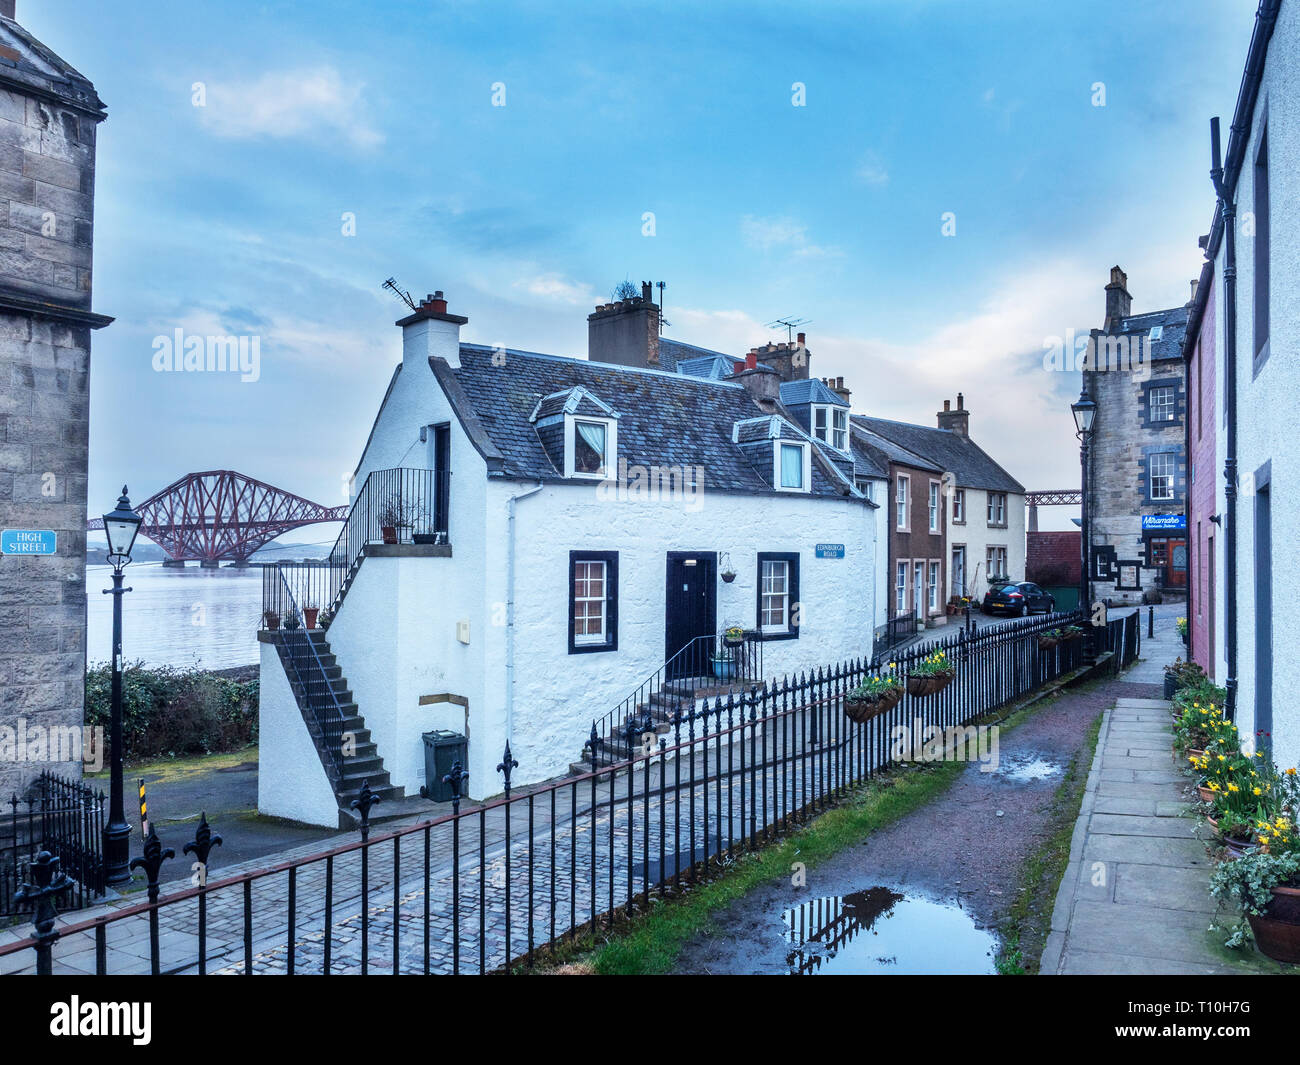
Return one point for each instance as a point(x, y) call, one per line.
point(934, 506)
point(900, 588)
point(900, 501)
point(959, 504)
point(932, 586)
point(831, 425)
point(1162, 404)
point(792, 470)
point(778, 594)
point(590, 446)
point(593, 601)
point(997, 508)
point(995, 564)
point(1161, 472)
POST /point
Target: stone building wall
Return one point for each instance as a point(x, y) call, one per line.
point(48, 119)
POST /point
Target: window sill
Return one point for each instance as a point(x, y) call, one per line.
point(769, 637)
point(591, 648)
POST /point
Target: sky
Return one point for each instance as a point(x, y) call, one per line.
point(265, 167)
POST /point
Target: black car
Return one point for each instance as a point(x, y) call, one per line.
point(1020, 598)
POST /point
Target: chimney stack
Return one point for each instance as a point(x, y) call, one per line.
point(836, 385)
point(625, 333)
point(1119, 304)
point(1195, 282)
point(958, 421)
point(751, 359)
point(430, 332)
point(7, 9)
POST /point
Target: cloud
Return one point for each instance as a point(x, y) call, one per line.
point(311, 103)
point(781, 234)
point(555, 288)
point(871, 171)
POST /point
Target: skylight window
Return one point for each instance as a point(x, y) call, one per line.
point(1157, 331)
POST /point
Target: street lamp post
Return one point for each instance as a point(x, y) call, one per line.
point(1085, 414)
point(120, 526)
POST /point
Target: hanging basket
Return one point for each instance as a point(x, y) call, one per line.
point(862, 709)
point(931, 684)
point(1046, 643)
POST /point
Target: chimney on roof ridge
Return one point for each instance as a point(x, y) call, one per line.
point(1195, 282)
point(1119, 304)
point(957, 421)
point(430, 332)
point(625, 333)
point(751, 360)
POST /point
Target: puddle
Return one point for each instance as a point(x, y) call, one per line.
point(1027, 768)
point(879, 931)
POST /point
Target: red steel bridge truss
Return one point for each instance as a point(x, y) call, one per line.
point(223, 515)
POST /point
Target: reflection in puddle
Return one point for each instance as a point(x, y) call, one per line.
point(881, 931)
point(1027, 768)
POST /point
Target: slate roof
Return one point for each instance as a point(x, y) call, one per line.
point(885, 450)
point(810, 390)
point(942, 449)
point(664, 419)
point(1173, 323)
point(672, 353)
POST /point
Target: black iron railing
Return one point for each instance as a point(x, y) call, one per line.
point(311, 682)
point(901, 627)
point(65, 817)
point(707, 665)
point(397, 506)
point(484, 889)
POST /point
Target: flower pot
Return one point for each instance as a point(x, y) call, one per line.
point(1046, 643)
point(272, 620)
point(862, 710)
point(733, 641)
point(728, 576)
point(389, 533)
point(1171, 686)
point(1237, 847)
point(1204, 793)
point(1195, 752)
point(1277, 929)
point(929, 685)
point(724, 668)
point(309, 613)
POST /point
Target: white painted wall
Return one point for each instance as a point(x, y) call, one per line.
point(291, 781)
point(978, 537)
point(1265, 418)
point(558, 694)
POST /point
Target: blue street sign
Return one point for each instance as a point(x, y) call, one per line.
point(1164, 522)
point(28, 542)
point(830, 550)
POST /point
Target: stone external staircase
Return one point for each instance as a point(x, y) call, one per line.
point(365, 764)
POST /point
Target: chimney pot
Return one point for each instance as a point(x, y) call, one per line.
point(947, 404)
point(800, 337)
point(751, 360)
point(738, 367)
point(961, 403)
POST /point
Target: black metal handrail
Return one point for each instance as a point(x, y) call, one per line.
point(63, 816)
point(705, 662)
point(394, 506)
point(312, 684)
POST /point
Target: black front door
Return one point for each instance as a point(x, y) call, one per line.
point(691, 612)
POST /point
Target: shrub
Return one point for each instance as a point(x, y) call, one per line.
point(169, 712)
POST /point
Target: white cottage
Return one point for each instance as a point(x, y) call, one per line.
point(572, 526)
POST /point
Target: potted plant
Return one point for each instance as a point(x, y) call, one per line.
point(1183, 630)
point(1049, 639)
point(728, 573)
point(270, 620)
point(1265, 886)
point(724, 667)
point(733, 635)
point(931, 675)
point(326, 616)
point(290, 620)
point(390, 517)
point(1180, 674)
point(309, 612)
point(1072, 632)
point(874, 696)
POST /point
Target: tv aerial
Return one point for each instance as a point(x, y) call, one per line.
point(789, 324)
point(401, 294)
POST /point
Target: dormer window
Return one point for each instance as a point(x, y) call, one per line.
point(589, 446)
point(793, 462)
point(831, 425)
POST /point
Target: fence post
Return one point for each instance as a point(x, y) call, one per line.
point(154, 855)
point(49, 883)
point(202, 843)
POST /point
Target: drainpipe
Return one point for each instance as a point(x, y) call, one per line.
point(510, 606)
point(1229, 209)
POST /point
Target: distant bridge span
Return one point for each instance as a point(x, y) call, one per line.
point(223, 515)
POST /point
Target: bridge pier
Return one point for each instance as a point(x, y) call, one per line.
point(209, 563)
point(174, 563)
point(241, 563)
